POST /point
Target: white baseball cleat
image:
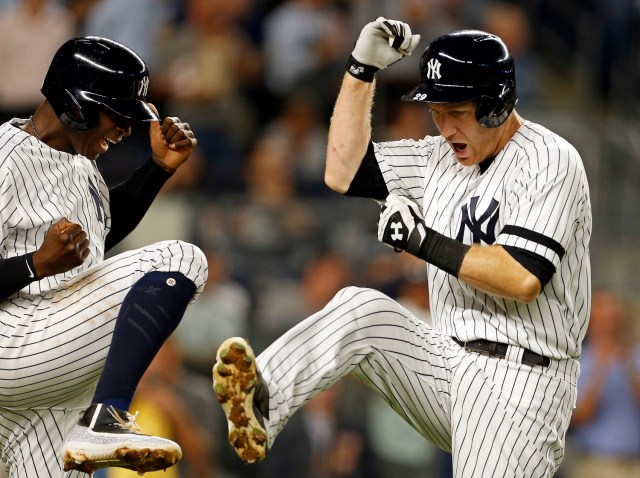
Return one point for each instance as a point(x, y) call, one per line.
point(107, 437)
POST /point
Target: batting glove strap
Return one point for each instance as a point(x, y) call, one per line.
point(395, 232)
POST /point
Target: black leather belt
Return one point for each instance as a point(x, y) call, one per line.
point(496, 349)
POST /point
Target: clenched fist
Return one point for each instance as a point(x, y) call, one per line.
point(381, 43)
point(65, 246)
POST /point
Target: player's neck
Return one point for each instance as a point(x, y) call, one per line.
point(45, 125)
point(510, 126)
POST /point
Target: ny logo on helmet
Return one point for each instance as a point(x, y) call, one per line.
point(143, 87)
point(433, 69)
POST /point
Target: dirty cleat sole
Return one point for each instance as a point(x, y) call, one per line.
point(107, 437)
point(136, 458)
point(235, 379)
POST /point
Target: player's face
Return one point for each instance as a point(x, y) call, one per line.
point(111, 129)
point(470, 141)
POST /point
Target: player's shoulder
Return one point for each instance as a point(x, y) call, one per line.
point(12, 138)
point(540, 147)
point(19, 149)
point(532, 136)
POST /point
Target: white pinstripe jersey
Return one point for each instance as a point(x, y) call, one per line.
point(39, 186)
point(533, 196)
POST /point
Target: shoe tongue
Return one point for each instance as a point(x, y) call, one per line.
point(106, 416)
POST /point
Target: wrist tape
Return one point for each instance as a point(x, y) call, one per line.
point(441, 251)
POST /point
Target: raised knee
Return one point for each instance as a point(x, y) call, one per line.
point(362, 292)
point(187, 258)
point(192, 251)
point(362, 298)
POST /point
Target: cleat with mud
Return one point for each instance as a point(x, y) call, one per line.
point(106, 437)
point(235, 381)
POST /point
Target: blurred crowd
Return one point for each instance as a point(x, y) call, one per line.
point(256, 80)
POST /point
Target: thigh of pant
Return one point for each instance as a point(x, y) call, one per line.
point(58, 348)
point(364, 331)
point(508, 419)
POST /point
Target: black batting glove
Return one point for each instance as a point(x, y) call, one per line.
point(401, 226)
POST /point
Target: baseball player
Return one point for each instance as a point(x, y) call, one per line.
point(78, 331)
point(499, 209)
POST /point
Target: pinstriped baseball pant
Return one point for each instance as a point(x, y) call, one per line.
point(53, 349)
point(497, 417)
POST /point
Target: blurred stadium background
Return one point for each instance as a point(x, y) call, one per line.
point(256, 80)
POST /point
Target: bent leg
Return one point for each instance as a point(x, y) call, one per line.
point(57, 345)
point(364, 331)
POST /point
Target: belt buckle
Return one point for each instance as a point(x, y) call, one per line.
point(476, 350)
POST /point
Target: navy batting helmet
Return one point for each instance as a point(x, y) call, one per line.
point(468, 65)
point(89, 73)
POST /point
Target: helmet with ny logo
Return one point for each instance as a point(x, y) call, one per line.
point(90, 73)
point(468, 65)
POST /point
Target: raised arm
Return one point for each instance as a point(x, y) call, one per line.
point(381, 43)
point(349, 132)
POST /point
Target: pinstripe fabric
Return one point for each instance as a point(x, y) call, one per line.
point(534, 196)
point(39, 186)
point(499, 418)
point(56, 332)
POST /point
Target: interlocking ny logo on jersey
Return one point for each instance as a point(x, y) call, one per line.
point(433, 69)
point(97, 200)
point(487, 221)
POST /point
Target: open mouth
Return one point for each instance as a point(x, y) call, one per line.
point(459, 148)
point(105, 142)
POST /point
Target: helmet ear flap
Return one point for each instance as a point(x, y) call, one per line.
point(70, 112)
point(81, 118)
point(493, 110)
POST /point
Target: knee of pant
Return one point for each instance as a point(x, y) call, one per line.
point(361, 293)
point(364, 299)
point(186, 258)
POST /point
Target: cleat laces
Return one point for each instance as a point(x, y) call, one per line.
point(130, 424)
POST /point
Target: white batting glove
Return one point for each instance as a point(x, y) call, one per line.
point(401, 226)
point(381, 43)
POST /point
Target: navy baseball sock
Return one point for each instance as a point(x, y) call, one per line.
point(150, 312)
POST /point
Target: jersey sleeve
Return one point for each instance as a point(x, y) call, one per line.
point(403, 165)
point(549, 199)
point(10, 211)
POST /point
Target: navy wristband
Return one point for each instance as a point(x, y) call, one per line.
point(443, 252)
point(361, 71)
point(15, 273)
